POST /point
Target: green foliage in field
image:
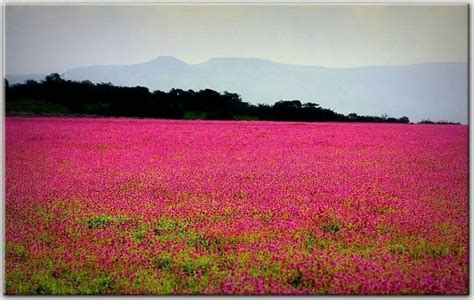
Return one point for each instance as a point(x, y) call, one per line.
point(140, 233)
point(99, 222)
point(331, 227)
point(167, 226)
point(104, 221)
point(16, 250)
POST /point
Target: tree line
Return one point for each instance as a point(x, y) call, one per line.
point(55, 95)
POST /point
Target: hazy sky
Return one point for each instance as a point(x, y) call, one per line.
point(45, 39)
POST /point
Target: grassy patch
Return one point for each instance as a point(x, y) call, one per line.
point(15, 283)
point(194, 266)
point(332, 226)
point(99, 222)
point(296, 280)
point(435, 250)
point(45, 284)
point(145, 282)
point(315, 243)
point(164, 261)
point(383, 210)
point(140, 233)
point(419, 250)
point(357, 249)
point(167, 226)
point(197, 239)
point(396, 248)
point(16, 250)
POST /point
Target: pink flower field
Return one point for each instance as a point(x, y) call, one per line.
point(129, 206)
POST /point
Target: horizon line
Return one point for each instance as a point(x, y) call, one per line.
point(242, 58)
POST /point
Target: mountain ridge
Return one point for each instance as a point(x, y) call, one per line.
point(435, 90)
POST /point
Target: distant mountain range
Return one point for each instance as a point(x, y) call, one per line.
point(436, 91)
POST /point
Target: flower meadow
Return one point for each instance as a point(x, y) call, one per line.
point(134, 206)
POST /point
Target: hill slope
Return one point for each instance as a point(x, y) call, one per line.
point(437, 91)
